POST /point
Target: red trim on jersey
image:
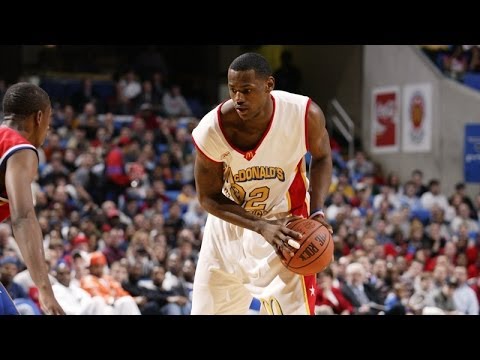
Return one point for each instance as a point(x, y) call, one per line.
point(208, 157)
point(298, 192)
point(311, 282)
point(249, 154)
point(306, 123)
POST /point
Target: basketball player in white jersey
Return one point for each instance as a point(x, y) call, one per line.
point(250, 174)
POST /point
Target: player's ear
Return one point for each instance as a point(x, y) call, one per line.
point(270, 83)
point(38, 117)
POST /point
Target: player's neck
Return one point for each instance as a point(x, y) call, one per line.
point(17, 126)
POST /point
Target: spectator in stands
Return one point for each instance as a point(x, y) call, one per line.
point(417, 179)
point(87, 94)
point(330, 296)
point(455, 64)
point(397, 300)
point(73, 299)
point(89, 183)
point(115, 172)
point(442, 298)
point(159, 300)
point(409, 197)
point(342, 184)
point(158, 84)
point(149, 96)
point(128, 90)
point(463, 217)
point(8, 245)
point(79, 266)
point(460, 190)
point(464, 296)
point(476, 287)
point(423, 293)
point(8, 270)
point(474, 65)
point(147, 111)
point(359, 166)
point(99, 284)
point(174, 103)
point(434, 197)
point(359, 292)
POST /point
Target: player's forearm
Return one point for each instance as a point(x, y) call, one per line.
point(28, 236)
point(226, 209)
point(320, 179)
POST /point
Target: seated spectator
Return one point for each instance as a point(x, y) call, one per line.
point(24, 305)
point(359, 292)
point(159, 300)
point(175, 104)
point(329, 296)
point(396, 301)
point(442, 298)
point(85, 95)
point(99, 284)
point(464, 296)
point(455, 64)
point(73, 299)
point(474, 65)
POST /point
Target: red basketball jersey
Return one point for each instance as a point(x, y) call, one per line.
point(10, 142)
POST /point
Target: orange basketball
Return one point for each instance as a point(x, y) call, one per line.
point(316, 248)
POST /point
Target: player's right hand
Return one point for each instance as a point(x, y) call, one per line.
point(278, 235)
point(49, 305)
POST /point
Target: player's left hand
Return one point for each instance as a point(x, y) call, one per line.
point(321, 219)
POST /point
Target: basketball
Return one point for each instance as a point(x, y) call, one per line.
point(316, 248)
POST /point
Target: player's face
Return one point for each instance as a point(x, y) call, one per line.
point(44, 126)
point(250, 94)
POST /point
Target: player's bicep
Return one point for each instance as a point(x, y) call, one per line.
point(318, 139)
point(208, 176)
point(20, 172)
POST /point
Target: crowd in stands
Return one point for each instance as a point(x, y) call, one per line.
point(459, 62)
point(122, 225)
point(400, 248)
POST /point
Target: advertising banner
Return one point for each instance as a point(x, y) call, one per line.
point(472, 153)
point(417, 118)
point(385, 119)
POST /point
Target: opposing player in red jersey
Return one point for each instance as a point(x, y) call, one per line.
point(27, 112)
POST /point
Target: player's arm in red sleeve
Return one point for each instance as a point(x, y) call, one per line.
point(209, 185)
point(321, 162)
point(20, 173)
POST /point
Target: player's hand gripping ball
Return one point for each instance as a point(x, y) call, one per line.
point(316, 248)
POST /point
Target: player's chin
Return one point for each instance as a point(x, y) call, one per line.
point(243, 114)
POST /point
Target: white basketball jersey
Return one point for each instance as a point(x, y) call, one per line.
point(270, 180)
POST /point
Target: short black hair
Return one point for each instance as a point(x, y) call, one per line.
point(252, 61)
point(24, 99)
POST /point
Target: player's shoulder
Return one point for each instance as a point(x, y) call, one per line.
point(207, 120)
point(289, 98)
point(208, 125)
